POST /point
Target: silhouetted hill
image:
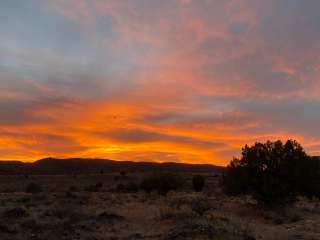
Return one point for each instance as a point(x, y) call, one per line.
point(92, 166)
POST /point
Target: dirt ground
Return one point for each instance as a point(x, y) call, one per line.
point(98, 207)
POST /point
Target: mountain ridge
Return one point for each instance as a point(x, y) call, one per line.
point(55, 166)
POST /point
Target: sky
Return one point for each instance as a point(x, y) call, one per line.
point(148, 80)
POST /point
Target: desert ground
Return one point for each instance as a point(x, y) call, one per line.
point(110, 206)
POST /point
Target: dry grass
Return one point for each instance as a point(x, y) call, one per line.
point(83, 208)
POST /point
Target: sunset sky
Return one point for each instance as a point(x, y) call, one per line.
point(157, 80)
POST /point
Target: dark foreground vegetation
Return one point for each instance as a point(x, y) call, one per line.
point(270, 193)
point(274, 173)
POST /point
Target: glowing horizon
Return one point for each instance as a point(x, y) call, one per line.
point(146, 80)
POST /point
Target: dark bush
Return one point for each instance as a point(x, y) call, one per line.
point(123, 173)
point(162, 183)
point(94, 188)
point(109, 217)
point(71, 192)
point(15, 213)
point(131, 187)
point(200, 206)
point(73, 188)
point(120, 187)
point(116, 178)
point(127, 188)
point(198, 183)
point(273, 173)
point(33, 188)
point(62, 213)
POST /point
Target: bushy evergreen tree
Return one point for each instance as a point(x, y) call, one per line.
point(273, 172)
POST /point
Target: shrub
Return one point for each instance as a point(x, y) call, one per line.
point(273, 173)
point(162, 183)
point(73, 188)
point(123, 173)
point(131, 187)
point(198, 183)
point(63, 213)
point(116, 178)
point(200, 206)
point(127, 188)
point(120, 187)
point(109, 217)
point(195, 229)
point(33, 188)
point(70, 193)
point(15, 213)
point(94, 188)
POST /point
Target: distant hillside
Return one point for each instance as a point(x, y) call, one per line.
point(91, 166)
